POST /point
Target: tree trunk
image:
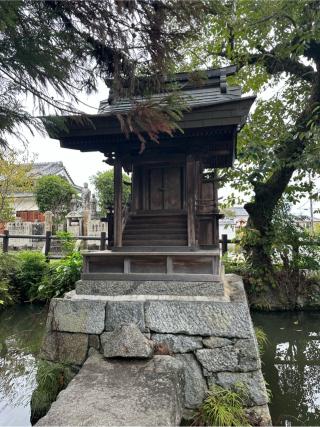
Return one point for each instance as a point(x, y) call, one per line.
point(268, 193)
point(261, 209)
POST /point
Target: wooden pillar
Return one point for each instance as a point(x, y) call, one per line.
point(135, 189)
point(191, 201)
point(215, 223)
point(117, 203)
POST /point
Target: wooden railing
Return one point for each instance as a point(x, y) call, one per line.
point(48, 238)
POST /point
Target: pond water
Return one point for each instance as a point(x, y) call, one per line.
point(291, 364)
point(21, 332)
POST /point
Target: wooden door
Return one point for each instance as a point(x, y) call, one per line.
point(166, 188)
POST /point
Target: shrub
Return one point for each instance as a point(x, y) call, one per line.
point(223, 407)
point(67, 242)
point(32, 267)
point(5, 297)
point(235, 263)
point(61, 277)
point(9, 292)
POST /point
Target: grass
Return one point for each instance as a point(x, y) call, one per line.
point(262, 338)
point(223, 407)
point(51, 379)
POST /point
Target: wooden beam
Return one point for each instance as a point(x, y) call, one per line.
point(215, 225)
point(191, 202)
point(117, 203)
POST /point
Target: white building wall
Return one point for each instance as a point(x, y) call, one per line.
point(25, 202)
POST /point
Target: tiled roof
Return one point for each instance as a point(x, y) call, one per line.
point(51, 168)
point(47, 168)
point(194, 98)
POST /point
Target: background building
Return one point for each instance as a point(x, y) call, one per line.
point(25, 205)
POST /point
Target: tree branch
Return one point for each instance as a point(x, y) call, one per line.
point(275, 65)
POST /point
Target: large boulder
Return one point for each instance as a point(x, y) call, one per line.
point(121, 393)
point(195, 384)
point(200, 317)
point(64, 347)
point(126, 341)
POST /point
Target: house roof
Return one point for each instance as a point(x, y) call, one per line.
point(52, 168)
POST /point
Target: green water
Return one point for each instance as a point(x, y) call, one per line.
point(21, 332)
point(291, 366)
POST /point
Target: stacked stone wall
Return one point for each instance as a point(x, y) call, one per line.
point(212, 337)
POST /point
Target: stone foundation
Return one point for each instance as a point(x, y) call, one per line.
point(211, 335)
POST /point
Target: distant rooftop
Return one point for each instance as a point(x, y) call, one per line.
point(52, 168)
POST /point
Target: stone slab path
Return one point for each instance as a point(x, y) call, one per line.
point(121, 393)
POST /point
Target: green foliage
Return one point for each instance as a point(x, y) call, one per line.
point(223, 407)
point(15, 177)
point(54, 194)
point(26, 276)
point(67, 242)
point(54, 50)
point(5, 297)
point(262, 338)
point(32, 269)
point(51, 379)
point(293, 247)
point(62, 276)
point(103, 182)
point(276, 48)
point(8, 270)
point(235, 263)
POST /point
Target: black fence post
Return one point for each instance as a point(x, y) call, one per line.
point(103, 241)
point(5, 245)
point(47, 244)
point(224, 243)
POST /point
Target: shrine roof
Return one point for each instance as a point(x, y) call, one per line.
point(213, 107)
point(193, 98)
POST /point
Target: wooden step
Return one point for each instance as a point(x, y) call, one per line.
point(181, 242)
point(158, 220)
point(156, 236)
point(131, 224)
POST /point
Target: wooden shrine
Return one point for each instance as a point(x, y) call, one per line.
point(170, 228)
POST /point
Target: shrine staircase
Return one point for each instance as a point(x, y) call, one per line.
point(155, 230)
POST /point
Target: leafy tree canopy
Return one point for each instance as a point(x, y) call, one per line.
point(103, 182)
point(276, 46)
point(14, 177)
point(54, 194)
point(53, 50)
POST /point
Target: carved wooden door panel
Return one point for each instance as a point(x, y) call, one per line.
point(166, 188)
point(156, 189)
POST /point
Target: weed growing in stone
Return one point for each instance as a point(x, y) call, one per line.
point(223, 407)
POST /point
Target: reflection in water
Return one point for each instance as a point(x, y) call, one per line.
point(291, 365)
point(21, 331)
